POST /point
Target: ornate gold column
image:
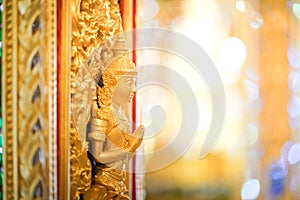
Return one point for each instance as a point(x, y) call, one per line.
point(29, 99)
point(274, 90)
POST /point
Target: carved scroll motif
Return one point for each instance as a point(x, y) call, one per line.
point(27, 90)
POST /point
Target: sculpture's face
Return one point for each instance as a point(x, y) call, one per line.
point(123, 91)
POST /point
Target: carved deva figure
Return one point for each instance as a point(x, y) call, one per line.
point(112, 143)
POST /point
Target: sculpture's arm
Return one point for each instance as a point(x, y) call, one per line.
point(135, 138)
point(97, 137)
point(107, 156)
point(128, 142)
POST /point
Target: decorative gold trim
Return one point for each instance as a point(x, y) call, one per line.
point(9, 67)
point(64, 65)
point(29, 99)
point(48, 39)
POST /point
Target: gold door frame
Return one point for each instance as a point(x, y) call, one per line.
point(64, 29)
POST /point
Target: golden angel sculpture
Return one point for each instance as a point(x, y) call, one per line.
point(104, 89)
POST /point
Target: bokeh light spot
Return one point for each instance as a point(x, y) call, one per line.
point(293, 55)
point(294, 106)
point(285, 149)
point(253, 133)
point(233, 53)
point(250, 189)
point(296, 10)
point(240, 6)
point(294, 82)
point(251, 89)
point(293, 155)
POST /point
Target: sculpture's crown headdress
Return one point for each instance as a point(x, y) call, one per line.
point(122, 66)
point(119, 67)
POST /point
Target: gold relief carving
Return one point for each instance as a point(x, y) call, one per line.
point(82, 100)
point(105, 104)
point(87, 78)
point(26, 66)
point(96, 52)
point(93, 22)
point(112, 143)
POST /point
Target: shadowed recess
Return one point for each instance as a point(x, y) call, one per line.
point(37, 126)
point(36, 94)
point(35, 60)
point(36, 25)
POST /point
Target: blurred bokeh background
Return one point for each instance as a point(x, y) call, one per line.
point(255, 47)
